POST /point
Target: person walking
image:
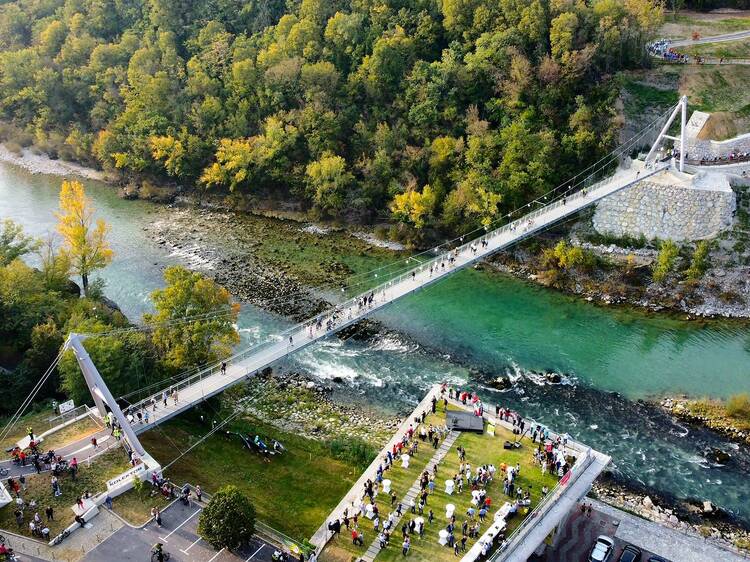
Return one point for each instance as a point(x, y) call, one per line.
point(22, 481)
point(175, 396)
point(223, 367)
point(199, 493)
point(405, 546)
point(50, 513)
point(164, 397)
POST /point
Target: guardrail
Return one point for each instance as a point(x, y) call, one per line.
point(333, 317)
point(536, 515)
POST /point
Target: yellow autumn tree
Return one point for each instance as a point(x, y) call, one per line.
point(413, 206)
point(85, 239)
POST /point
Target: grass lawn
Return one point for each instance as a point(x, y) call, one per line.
point(726, 49)
point(293, 493)
point(93, 478)
point(37, 419)
point(480, 449)
point(73, 432)
point(135, 505)
point(684, 24)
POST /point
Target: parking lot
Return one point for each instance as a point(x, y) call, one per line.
point(179, 536)
point(578, 536)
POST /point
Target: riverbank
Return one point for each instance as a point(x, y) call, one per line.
point(303, 406)
point(622, 276)
point(39, 163)
point(713, 414)
point(256, 254)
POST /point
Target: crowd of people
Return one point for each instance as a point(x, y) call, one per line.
point(733, 157)
point(389, 514)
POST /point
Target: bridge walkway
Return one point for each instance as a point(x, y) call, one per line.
point(243, 365)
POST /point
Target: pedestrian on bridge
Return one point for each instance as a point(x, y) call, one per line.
point(223, 367)
point(164, 397)
point(175, 396)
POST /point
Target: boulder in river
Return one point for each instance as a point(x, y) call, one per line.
point(716, 455)
point(502, 382)
point(552, 377)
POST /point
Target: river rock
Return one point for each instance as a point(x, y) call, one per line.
point(647, 503)
point(708, 507)
point(553, 378)
point(501, 383)
point(716, 455)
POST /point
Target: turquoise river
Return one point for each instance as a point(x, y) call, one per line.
point(475, 326)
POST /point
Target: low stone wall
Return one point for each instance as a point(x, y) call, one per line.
point(697, 148)
point(674, 212)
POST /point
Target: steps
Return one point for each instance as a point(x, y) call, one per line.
point(413, 492)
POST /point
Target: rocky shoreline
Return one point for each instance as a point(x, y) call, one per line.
point(38, 163)
point(699, 518)
point(683, 409)
point(708, 299)
point(302, 405)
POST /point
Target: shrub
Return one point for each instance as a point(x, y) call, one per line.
point(665, 261)
point(738, 406)
point(353, 450)
point(699, 263)
point(228, 521)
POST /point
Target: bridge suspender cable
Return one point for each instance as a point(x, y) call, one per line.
point(30, 397)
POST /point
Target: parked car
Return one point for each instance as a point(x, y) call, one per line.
point(630, 554)
point(602, 549)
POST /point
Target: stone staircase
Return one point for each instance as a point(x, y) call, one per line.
point(445, 446)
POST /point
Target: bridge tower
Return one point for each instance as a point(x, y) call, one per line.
point(680, 108)
point(100, 393)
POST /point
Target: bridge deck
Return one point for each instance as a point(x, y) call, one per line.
point(241, 366)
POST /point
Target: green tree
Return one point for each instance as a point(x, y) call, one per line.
point(665, 261)
point(327, 181)
point(228, 521)
point(14, 243)
point(414, 207)
point(194, 320)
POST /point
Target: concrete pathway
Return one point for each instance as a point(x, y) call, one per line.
point(667, 542)
point(352, 498)
point(413, 492)
point(734, 36)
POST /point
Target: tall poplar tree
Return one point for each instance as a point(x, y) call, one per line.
point(85, 238)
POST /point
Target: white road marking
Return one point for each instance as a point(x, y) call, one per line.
point(89, 446)
point(191, 546)
point(180, 525)
point(254, 553)
point(215, 555)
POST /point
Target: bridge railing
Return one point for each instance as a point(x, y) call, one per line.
point(348, 311)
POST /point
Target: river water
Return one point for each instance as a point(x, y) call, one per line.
point(473, 327)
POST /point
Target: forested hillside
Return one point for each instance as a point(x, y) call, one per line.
point(441, 113)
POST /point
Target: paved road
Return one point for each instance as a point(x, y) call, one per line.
point(179, 536)
point(735, 36)
point(81, 449)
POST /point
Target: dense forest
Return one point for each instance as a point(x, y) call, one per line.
point(438, 113)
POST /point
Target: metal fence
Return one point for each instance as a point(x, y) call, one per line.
point(536, 515)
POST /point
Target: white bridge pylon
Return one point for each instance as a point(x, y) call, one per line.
point(680, 108)
point(241, 366)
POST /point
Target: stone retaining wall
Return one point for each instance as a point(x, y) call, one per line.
point(662, 211)
point(697, 148)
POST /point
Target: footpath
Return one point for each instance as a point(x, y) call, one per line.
point(411, 495)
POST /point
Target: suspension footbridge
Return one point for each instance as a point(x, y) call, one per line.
point(559, 204)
